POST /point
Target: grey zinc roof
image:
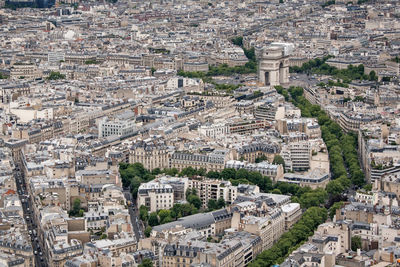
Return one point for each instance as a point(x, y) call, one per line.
point(195, 221)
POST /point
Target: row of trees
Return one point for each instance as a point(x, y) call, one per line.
point(91, 62)
point(319, 66)
point(55, 75)
point(225, 70)
point(292, 239)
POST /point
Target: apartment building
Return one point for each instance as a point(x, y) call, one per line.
point(297, 155)
point(116, 127)
point(249, 152)
point(269, 112)
point(238, 250)
point(15, 245)
point(98, 177)
point(268, 228)
point(213, 161)
point(275, 172)
point(391, 183)
point(292, 213)
point(155, 196)
point(214, 130)
point(352, 121)
point(208, 189)
point(247, 127)
point(24, 70)
point(151, 155)
point(317, 178)
point(8, 90)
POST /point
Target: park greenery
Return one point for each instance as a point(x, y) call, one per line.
point(159, 50)
point(278, 160)
point(2, 76)
point(319, 66)
point(292, 239)
point(91, 62)
point(76, 210)
point(261, 158)
point(355, 243)
point(55, 75)
point(146, 263)
point(395, 59)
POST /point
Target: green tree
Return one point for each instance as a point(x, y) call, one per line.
point(153, 219)
point(242, 174)
point(261, 158)
point(279, 160)
point(368, 187)
point(334, 187)
point(163, 214)
point(213, 174)
point(355, 243)
point(237, 41)
point(372, 76)
point(146, 263)
point(212, 205)
point(221, 203)
point(55, 75)
point(76, 206)
point(103, 236)
point(171, 172)
point(91, 61)
point(76, 209)
point(276, 191)
point(143, 213)
point(333, 208)
point(189, 171)
point(156, 171)
point(147, 231)
point(194, 200)
point(228, 173)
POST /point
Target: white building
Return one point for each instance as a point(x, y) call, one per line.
point(116, 127)
point(155, 196)
point(214, 130)
point(267, 169)
point(55, 57)
point(297, 156)
point(208, 189)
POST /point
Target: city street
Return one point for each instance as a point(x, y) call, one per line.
point(302, 80)
point(29, 217)
point(136, 223)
